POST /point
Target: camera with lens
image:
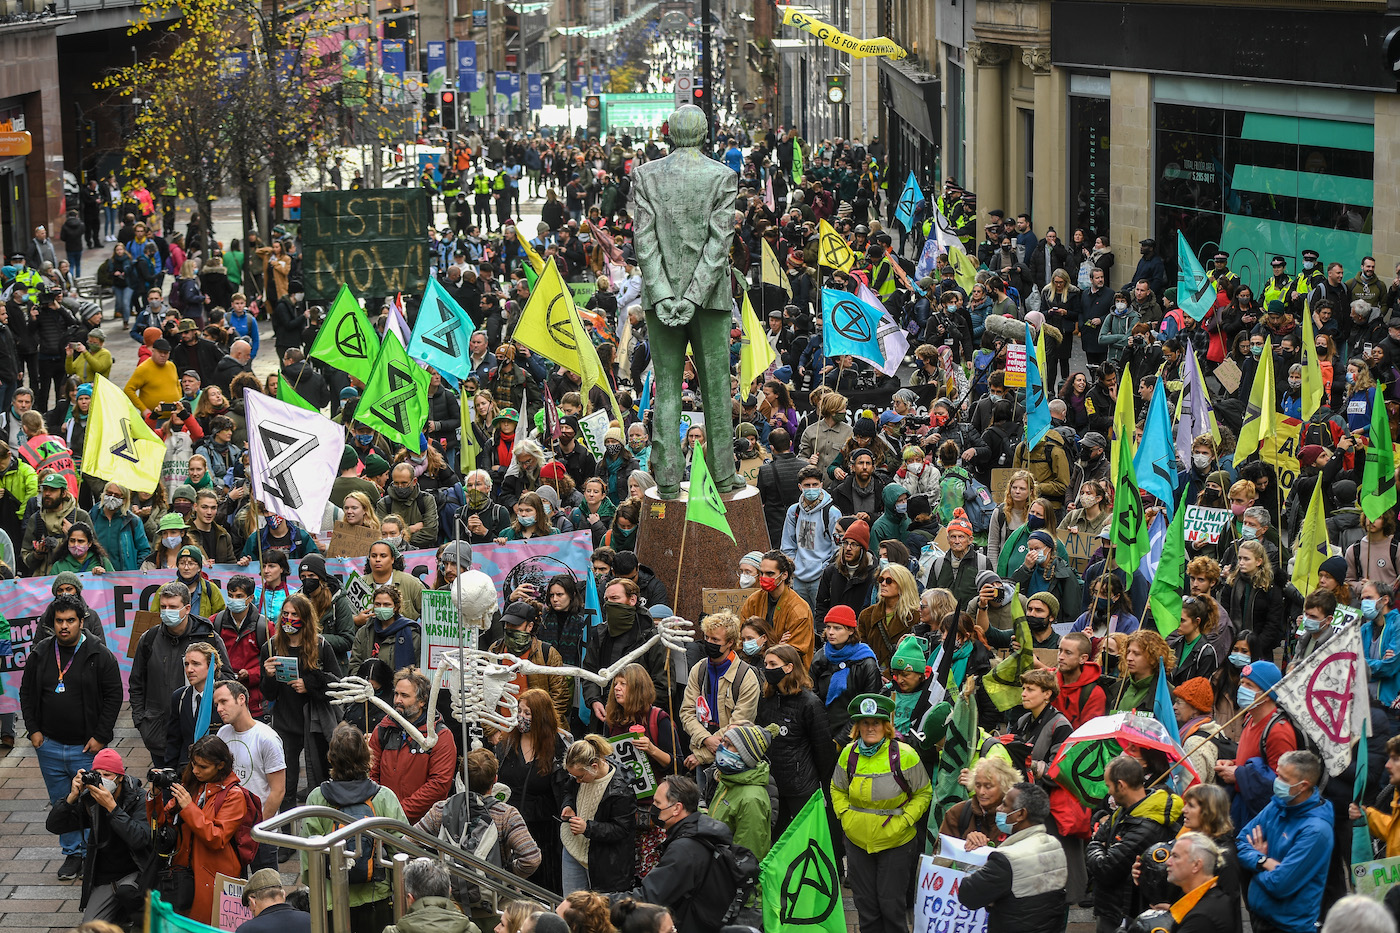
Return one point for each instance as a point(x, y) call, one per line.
point(163, 778)
point(92, 779)
point(166, 840)
point(52, 542)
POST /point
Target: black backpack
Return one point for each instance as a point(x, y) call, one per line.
point(738, 869)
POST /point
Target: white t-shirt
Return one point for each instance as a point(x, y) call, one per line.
point(256, 754)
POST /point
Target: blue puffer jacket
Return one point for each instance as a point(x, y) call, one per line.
point(1299, 837)
point(1384, 673)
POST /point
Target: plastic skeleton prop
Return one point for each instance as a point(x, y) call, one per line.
point(481, 683)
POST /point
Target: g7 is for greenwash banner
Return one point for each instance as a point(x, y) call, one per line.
point(836, 39)
point(117, 596)
point(371, 240)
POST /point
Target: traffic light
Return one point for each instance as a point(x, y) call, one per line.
point(447, 108)
point(836, 88)
point(698, 92)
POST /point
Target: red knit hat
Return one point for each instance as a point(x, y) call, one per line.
point(1198, 693)
point(960, 523)
point(841, 614)
point(859, 532)
point(553, 470)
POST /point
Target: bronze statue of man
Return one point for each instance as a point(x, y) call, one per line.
point(684, 208)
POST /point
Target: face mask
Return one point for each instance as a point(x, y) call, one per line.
point(1036, 522)
point(655, 813)
point(1004, 824)
point(1295, 383)
point(1309, 265)
point(773, 675)
point(525, 520)
point(172, 541)
point(712, 651)
point(403, 493)
point(522, 724)
point(729, 761)
point(751, 646)
point(613, 448)
point(1237, 508)
point(170, 617)
point(1247, 533)
point(1120, 306)
point(1255, 350)
point(109, 785)
point(518, 640)
point(620, 617)
point(548, 509)
point(77, 550)
point(364, 439)
point(746, 580)
point(1087, 499)
point(1351, 377)
point(901, 508)
point(884, 562)
point(237, 606)
point(638, 444)
point(1037, 624)
point(476, 498)
point(291, 628)
point(111, 503)
point(812, 495)
point(1311, 625)
point(1238, 659)
point(1368, 608)
point(867, 750)
point(1200, 461)
point(1282, 789)
point(1245, 697)
point(383, 613)
point(310, 585)
point(768, 584)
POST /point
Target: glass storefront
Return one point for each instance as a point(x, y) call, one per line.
point(1259, 184)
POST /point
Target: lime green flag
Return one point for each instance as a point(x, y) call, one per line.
point(1378, 479)
point(1129, 532)
point(704, 505)
point(531, 276)
point(346, 340)
point(395, 400)
point(287, 393)
point(1165, 596)
point(1003, 682)
point(797, 168)
point(799, 877)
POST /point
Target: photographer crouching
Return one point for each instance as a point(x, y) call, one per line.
point(110, 807)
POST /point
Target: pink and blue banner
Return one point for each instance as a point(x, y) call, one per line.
point(117, 596)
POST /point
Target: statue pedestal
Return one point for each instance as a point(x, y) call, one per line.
point(711, 560)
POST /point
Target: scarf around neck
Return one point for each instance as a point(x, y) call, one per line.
point(844, 658)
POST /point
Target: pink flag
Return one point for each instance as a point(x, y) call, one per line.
point(768, 194)
point(606, 239)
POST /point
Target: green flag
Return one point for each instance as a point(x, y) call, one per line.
point(1165, 595)
point(1129, 532)
point(395, 400)
point(286, 393)
point(1003, 682)
point(799, 877)
point(1378, 479)
point(162, 918)
point(346, 340)
point(959, 750)
point(531, 276)
point(797, 168)
point(704, 504)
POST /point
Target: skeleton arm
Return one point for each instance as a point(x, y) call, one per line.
point(673, 632)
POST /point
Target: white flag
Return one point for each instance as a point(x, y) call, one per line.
point(943, 231)
point(1325, 695)
point(894, 340)
point(1193, 409)
point(295, 457)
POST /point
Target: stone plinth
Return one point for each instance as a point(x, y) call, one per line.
point(711, 560)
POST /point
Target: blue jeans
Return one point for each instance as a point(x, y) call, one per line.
point(58, 763)
point(109, 221)
point(808, 591)
point(123, 303)
point(575, 876)
point(75, 263)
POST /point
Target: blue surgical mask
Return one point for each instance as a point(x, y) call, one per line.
point(526, 520)
point(1245, 697)
point(901, 508)
point(170, 617)
point(884, 562)
point(751, 646)
point(1247, 533)
point(237, 605)
point(1239, 659)
point(729, 761)
point(1004, 824)
point(1282, 789)
point(1311, 625)
point(1256, 349)
point(1351, 377)
point(812, 495)
point(1368, 608)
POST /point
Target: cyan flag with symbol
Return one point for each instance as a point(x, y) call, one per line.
point(851, 327)
point(441, 333)
point(1155, 460)
point(1194, 290)
point(1037, 408)
point(909, 202)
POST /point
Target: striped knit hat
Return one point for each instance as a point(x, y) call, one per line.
point(750, 742)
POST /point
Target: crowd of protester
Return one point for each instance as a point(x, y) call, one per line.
point(893, 560)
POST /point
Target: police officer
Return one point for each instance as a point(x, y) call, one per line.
point(481, 190)
point(1276, 287)
point(1221, 276)
point(1311, 276)
point(451, 187)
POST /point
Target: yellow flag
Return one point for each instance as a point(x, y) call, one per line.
point(1313, 546)
point(536, 262)
point(964, 270)
point(1040, 359)
point(1124, 415)
point(755, 355)
point(551, 327)
point(1312, 374)
point(832, 249)
point(119, 446)
point(773, 273)
point(1260, 416)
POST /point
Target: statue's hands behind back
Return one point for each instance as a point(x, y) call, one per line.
point(674, 312)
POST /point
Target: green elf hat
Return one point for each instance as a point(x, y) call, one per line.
point(871, 706)
point(911, 656)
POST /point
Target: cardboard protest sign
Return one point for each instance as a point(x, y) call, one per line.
point(936, 904)
point(349, 540)
point(1000, 477)
point(229, 911)
point(1228, 373)
point(369, 239)
point(441, 621)
point(1204, 525)
point(1373, 879)
point(1080, 547)
point(713, 600)
point(140, 624)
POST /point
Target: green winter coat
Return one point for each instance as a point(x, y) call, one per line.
point(433, 915)
point(741, 802)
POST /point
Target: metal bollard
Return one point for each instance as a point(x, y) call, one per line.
point(340, 890)
point(400, 895)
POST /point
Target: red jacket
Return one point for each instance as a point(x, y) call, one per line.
point(418, 778)
point(244, 648)
point(1082, 700)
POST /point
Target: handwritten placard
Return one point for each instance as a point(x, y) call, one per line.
point(441, 621)
point(1000, 477)
point(1228, 372)
point(591, 429)
point(349, 540)
point(229, 911)
point(1080, 547)
point(936, 905)
point(1204, 525)
point(713, 600)
point(1373, 879)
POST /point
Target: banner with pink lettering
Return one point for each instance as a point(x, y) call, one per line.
point(117, 596)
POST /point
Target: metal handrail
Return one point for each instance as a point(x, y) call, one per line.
point(401, 836)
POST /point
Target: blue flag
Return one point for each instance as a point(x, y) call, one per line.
point(645, 402)
point(1037, 408)
point(851, 327)
point(593, 614)
point(441, 333)
point(1155, 461)
point(909, 202)
point(1194, 291)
